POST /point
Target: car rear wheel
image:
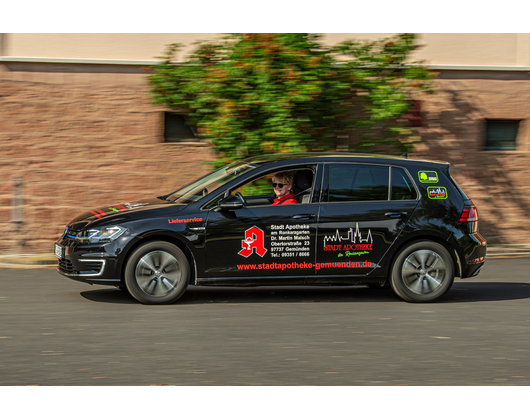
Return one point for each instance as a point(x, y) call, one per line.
point(157, 273)
point(422, 272)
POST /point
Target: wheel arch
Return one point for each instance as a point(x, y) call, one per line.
point(160, 236)
point(426, 237)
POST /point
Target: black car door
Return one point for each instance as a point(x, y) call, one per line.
point(262, 242)
point(361, 216)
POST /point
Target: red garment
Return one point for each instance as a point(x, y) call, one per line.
point(286, 199)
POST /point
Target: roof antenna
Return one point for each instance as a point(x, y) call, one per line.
point(405, 155)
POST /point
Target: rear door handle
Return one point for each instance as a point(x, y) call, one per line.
point(396, 214)
point(304, 216)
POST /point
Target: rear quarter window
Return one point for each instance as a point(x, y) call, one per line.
point(402, 186)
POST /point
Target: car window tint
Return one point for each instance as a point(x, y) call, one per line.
point(402, 187)
point(262, 187)
point(357, 183)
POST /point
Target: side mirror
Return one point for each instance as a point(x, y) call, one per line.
point(232, 202)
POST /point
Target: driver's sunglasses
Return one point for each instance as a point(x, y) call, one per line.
point(274, 184)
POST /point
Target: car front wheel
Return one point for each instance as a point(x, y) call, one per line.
point(422, 272)
point(157, 273)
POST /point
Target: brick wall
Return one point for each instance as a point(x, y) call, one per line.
point(80, 141)
point(84, 139)
point(454, 131)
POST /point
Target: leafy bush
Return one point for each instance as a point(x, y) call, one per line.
point(253, 94)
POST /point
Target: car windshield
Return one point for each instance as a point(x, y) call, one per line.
point(208, 183)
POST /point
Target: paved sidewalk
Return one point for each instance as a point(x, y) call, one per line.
point(48, 260)
point(514, 250)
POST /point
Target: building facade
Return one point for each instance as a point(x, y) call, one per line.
point(78, 128)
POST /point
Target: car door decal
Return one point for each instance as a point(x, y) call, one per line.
point(254, 241)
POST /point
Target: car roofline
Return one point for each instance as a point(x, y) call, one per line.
point(318, 156)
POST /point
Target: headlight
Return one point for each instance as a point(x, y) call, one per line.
point(99, 235)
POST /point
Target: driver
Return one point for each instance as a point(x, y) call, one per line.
point(282, 182)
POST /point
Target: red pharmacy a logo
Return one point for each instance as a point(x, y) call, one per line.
point(254, 241)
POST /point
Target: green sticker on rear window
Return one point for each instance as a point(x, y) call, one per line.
point(437, 193)
point(427, 177)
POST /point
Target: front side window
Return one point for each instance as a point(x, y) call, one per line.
point(261, 191)
point(352, 182)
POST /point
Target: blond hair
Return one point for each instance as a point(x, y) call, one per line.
point(287, 177)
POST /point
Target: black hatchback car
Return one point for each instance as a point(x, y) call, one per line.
point(359, 219)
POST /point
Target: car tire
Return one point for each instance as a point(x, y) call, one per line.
point(157, 273)
point(422, 272)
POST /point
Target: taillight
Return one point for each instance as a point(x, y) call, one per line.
point(469, 214)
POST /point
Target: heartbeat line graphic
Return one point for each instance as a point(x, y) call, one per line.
point(352, 236)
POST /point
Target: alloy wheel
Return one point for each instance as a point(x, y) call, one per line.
point(423, 271)
point(158, 273)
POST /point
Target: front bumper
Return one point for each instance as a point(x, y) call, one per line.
point(93, 270)
point(91, 263)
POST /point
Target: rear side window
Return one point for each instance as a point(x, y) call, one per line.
point(350, 182)
point(402, 187)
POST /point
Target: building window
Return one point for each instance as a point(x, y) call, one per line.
point(501, 134)
point(177, 129)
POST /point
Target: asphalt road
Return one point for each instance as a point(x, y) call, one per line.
point(55, 331)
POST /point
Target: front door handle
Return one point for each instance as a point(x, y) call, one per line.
point(396, 214)
point(304, 216)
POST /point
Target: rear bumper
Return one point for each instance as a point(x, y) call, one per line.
point(475, 255)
